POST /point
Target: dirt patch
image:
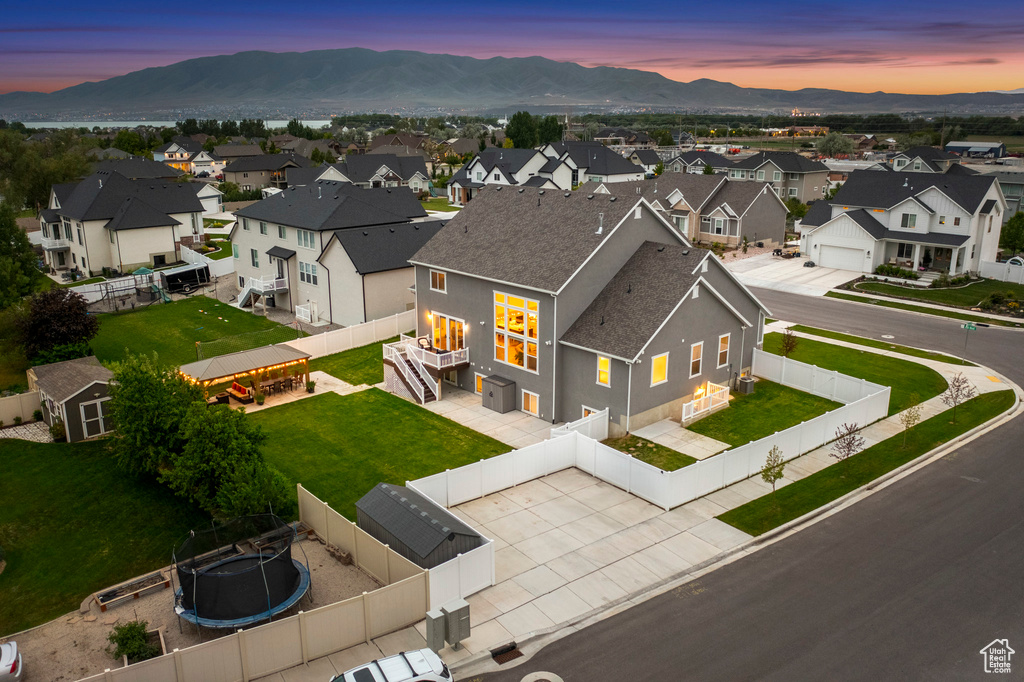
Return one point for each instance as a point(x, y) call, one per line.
point(73, 646)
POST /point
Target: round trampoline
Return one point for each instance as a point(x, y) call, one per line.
point(239, 573)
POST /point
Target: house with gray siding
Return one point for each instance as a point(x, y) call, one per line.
point(790, 175)
point(583, 301)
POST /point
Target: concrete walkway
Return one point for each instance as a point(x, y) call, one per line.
point(672, 434)
point(324, 382)
point(516, 429)
point(934, 306)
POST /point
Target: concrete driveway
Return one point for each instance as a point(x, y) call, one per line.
point(788, 274)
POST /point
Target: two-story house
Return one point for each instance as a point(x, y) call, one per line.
point(647, 159)
point(947, 222)
point(507, 167)
point(696, 161)
point(178, 152)
point(592, 162)
point(109, 221)
point(267, 170)
point(709, 208)
point(138, 168)
point(1012, 185)
point(791, 176)
point(573, 303)
point(923, 160)
point(330, 252)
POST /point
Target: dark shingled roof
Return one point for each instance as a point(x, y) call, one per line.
point(419, 523)
point(362, 167)
point(297, 177)
point(266, 162)
point(335, 205)
point(788, 162)
point(871, 189)
point(280, 252)
point(818, 213)
point(638, 299)
point(533, 238)
point(929, 154)
point(707, 158)
point(235, 151)
point(61, 380)
point(102, 194)
point(648, 157)
point(595, 158)
point(49, 215)
point(879, 231)
point(138, 168)
point(960, 169)
point(135, 213)
point(508, 160)
point(386, 247)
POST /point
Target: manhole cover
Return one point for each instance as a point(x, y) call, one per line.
point(542, 677)
point(888, 336)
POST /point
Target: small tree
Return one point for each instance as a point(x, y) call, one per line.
point(57, 317)
point(660, 168)
point(708, 170)
point(17, 262)
point(848, 441)
point(834, 144)
point(789, 342)
point(910, 417)
point(1012, 236)
point(797, 209)
point(774, 468)
point(129, 639)
point(958, 392)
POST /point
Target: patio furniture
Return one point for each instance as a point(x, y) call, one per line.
point(288, 383)
point(423, 343)
point(266, 387)
point(240, 393)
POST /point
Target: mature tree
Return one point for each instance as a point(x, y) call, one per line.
point(832, 192)
point(131, 142)
point(252, 127)
point(663, 137)
point(522, 130)
point(17, 261)
point(905, 142)
point(958, 392)
point(189, 126)
point(834, 144)
point(1012, 236)
point(57, 317)
point(229, 128)
point(789, 342)
point(797, 209)
point(550, 130)
point(708, 170)
point(774, 468)
point(848, 441)
point(910, 416)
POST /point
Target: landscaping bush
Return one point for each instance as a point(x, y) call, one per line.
point(17, 420)
point(129, 639)
point(37, 416)
point(895, 271)
point(944, 280)
point(57, 432)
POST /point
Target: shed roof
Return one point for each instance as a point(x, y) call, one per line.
point(61, 380)
point(418, 522)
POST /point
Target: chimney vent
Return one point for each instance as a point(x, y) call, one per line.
point(600, 223)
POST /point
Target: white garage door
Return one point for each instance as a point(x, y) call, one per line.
point(842, 258)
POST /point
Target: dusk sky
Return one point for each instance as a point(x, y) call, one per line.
point(914, 47)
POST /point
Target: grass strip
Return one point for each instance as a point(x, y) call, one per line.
point(882, 345)
point(961, 296)
point(918, 309)
point(657, 455)
point(800, 497)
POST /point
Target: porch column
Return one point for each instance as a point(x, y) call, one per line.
point(917, 256)
point(953, 251)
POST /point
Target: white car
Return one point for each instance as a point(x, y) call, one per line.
point(10, 662)
point(409, 666)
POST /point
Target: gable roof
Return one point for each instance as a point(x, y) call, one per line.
point(266, 162)
point(61, 380)
point(706, 158)
point(819, 213)
point(101, 195)
point(871, 189)
point(507, 160)
point(419, 523)
point(595, 158)
point(137, 167)
point(928, 154)
point(241, 362)
point(695, 188)
point(648, 157)
point(879, 231)
point(186, 143)
point(136, 213)
point(788, 162)
point(333, 205)
point(637, 301)
point(386, 247)
point(234, 151)
point(362, 167)
point(533, 238)
point(740, 195)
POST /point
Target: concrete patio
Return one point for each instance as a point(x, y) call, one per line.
point(516, 429)
point(671, 434)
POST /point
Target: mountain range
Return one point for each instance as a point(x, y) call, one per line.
point(357, 79)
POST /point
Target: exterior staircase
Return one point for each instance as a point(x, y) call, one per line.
point(428, 393)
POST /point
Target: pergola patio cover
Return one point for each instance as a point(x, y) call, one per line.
point(242, 362)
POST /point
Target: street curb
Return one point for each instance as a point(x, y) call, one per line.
point(917, 303)
point(540, 638)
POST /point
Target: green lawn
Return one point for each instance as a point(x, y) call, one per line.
point(918, 309)
point(798, 498)
point(339, 447)
point(905, 377)
point(363, 365)
point(225, 250)
point(72, 523)
point(771, 407)
point(80, 282)
point(172, 329)
point(664, 458)
point(882, 345)
point(438, 204)
point(963, 297)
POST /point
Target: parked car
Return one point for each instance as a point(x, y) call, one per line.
point(10, 662)
point(204, 174)
point(409, 666)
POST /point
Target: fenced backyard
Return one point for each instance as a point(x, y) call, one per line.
point(356, 336)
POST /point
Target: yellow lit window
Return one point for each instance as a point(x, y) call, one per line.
point(531, 403)
point(479, 383)
point(659, 369)
point(604, 373)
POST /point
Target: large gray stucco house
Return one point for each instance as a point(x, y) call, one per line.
point(584, 301)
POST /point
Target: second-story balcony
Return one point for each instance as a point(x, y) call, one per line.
point(268, 284)
point(50, 244)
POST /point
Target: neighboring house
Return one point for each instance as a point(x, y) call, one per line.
point(862, 143)
point(1012, 186)
point(330, 251)
point(498, 166)
point(109, 221)
point(206, 162)
point(414, 526)
point(211, 197)
point(573, 303)
point(623, 137)
point(709, 208)
point(138, 168)
point(791, 176)
point(299, 177)
point(414, 142)
point(592, 162)
point(178, 152)
point(695, 161)
point(647, 159)
point(304, 147)
point(231, 152)
point(460, 146)
point(985, 150)
point(75, 393)
point(267, 170)
point(947, 223)
point(923, 160)
point(98, 154)
point(384, 170)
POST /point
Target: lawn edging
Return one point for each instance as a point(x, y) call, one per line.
point(892, 476)
point(919, 308)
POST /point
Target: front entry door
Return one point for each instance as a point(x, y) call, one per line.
point(449, 333)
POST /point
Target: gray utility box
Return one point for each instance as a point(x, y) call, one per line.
point(499, 394)
point(435, 630)
point(456, 615)
point(745, 385)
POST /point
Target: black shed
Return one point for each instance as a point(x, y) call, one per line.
point(414, 526)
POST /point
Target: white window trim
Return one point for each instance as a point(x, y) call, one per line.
point(597, 379)
point(584, 409)
point(526, 339)
point(665, 380)
point(728, 349)
point(701, 361)
point(535, 395)
point(477, 375)
point(442, 274)
point(99, 412)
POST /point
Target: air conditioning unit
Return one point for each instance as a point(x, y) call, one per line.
point(745, 385)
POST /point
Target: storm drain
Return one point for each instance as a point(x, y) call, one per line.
point(506, 653)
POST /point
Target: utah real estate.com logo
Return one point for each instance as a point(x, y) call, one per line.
point(997, 656)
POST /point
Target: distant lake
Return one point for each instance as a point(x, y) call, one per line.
point(158, 124)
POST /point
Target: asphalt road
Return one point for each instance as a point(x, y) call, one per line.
point(908, 584)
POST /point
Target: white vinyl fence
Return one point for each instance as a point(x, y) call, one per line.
point(20, 405)
point(218, 267)
point(1004, 272)
point(120, 286)
point(355, 336)
point(594, 425)
point(812, 379)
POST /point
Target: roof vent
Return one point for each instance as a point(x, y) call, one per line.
point(590, 196)
point(660, 249)
point(686, 252)
point(611, 199)
point(602, 319)
point(540, 193)
point(365, 233)
point(498, 188)
point(567, 195)
point(521, 190)
point(391, 230)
